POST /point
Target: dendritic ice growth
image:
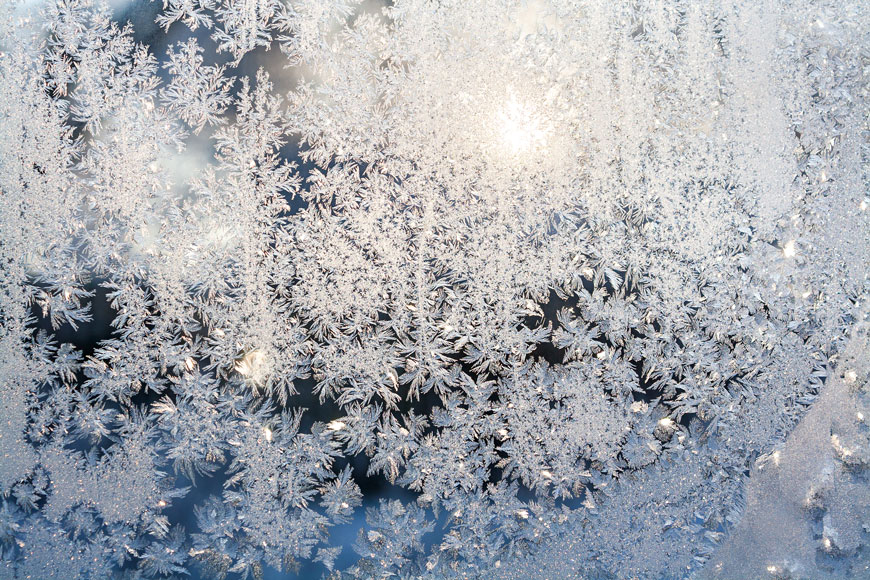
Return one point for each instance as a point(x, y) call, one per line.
point(343, 289)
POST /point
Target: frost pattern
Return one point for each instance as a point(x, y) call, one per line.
point(584, 283)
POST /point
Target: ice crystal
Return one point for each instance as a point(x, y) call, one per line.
point(502, 289)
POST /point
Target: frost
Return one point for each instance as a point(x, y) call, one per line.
point(581, 287)
point(197, 93)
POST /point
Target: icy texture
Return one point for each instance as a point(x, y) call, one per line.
point(588, 280)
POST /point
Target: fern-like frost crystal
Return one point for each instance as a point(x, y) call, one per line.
point(434, 289)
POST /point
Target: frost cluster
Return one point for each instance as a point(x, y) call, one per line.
point(584, 283)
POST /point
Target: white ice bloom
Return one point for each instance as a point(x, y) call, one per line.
point(581, 286)
point(254, 366)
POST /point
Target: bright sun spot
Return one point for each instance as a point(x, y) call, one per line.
point(521, 128)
